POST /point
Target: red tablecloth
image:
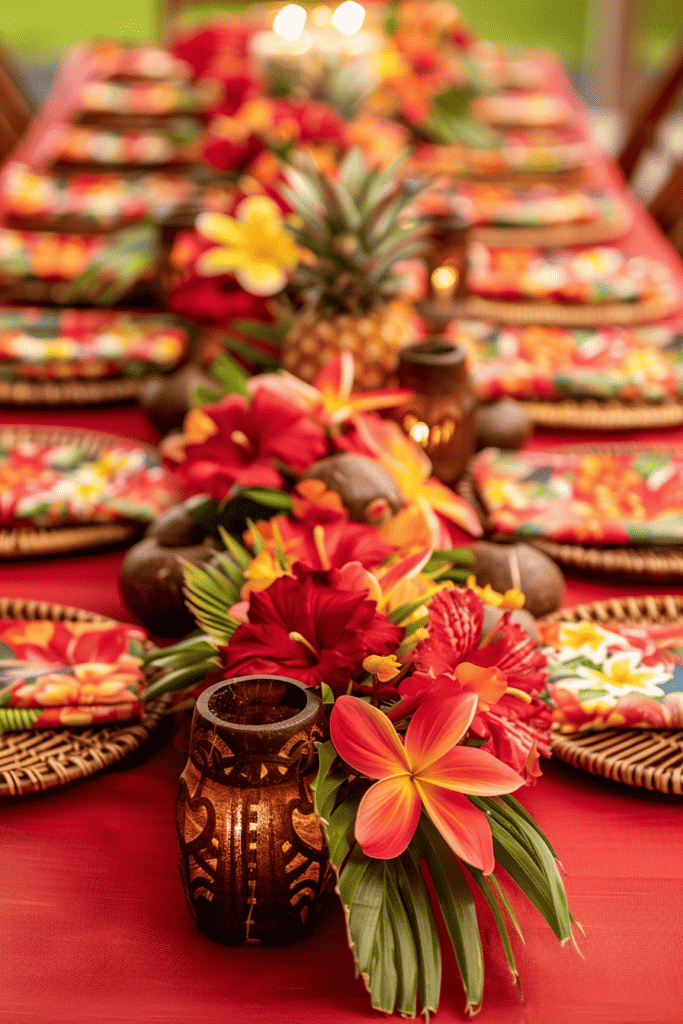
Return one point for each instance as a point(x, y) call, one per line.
point(93, 924)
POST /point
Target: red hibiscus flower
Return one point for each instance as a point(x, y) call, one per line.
point(217, 300)
point(236, 442)
point(515, 725)
point(200, 49)
point(307, 628)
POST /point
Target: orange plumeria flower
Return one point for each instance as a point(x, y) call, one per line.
point(430, 771)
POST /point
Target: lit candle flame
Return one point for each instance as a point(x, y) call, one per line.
point(444, 280)
point(289, 22)
point(349, 17)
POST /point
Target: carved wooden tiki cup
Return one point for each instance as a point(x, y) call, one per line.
point(440, 416)
point(253, 855)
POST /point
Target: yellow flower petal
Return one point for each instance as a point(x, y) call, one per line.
point(218, 227)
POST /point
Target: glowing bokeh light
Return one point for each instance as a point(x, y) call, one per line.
point(289, 22)
point(349, 17)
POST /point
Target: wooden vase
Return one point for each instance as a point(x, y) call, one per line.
point(440, 416)
point(253, 855)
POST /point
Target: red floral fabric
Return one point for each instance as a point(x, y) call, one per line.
point(68, 673)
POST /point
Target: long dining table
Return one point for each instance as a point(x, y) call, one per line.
point(93, 921)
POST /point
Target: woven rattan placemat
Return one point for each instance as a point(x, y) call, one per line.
point(650, 758)
point(34, 541)
point(590, 414)
point(69, 391)
point(556, 314)
point(33, 761)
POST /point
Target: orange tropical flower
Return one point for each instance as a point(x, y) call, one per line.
point(411, 468)
point(330, 399)
point(430, 771)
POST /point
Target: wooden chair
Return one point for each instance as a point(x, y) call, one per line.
point(650, 111)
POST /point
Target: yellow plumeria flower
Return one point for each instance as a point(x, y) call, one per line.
point(513, 598)
point(255, 246)
point(621, 673)
point(384, 668)
point(585, 634)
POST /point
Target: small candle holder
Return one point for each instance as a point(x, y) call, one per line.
point(446, 271)
point(440, 416)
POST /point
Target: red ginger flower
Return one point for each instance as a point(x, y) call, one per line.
point(234, 442)
point(430, 771)
point(450, 660)
point(307, 628)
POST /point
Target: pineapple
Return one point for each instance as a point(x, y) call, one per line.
point(356, 230)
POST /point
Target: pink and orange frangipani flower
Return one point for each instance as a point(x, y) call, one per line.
point(330, 399)
point(429, 771)
point(411, 468)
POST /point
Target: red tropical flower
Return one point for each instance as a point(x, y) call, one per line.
point(236, 442)
point(200, 49)
point(307, 628)
point(512, 719)
point(217, 300)
point(323, 538)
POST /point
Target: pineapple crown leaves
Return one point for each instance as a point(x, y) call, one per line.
point(355, 226)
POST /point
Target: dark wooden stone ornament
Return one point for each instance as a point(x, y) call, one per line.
point(253, 854)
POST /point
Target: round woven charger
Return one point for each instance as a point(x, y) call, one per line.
point(658, 563)
point(558, 236)
point(71, 391)
point(35, 760)
point(553, 314)
point(650, 758)
point(37, 541)
point(590, 414)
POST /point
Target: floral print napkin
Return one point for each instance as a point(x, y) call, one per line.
point(550, 363)
point(584, 498)
point(178, 141)
point(622, 677)
point(590, 275)
point(52, 344)
point(104, 199)
point(152, 98)
point(61, 484)
point(68, 673)
point(498, 205)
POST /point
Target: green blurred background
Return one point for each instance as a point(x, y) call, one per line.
point(38, 30)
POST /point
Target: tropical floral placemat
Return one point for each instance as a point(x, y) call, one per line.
point(105, 199)
point(68, 673)
point(622, 677)
point(592, 275)
point(583, 497)
point(551, 363)
point(56, 344)
point(177, 142)
point(63, 484)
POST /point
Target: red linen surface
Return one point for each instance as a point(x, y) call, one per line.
point(93, 924)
